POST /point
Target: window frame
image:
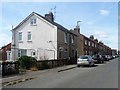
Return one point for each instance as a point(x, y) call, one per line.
point(65, 37)
point(33, 21)
point(29, 34)
point(92, 44)
point(89, 43)
point(85, 42)
point(72, 40)
point(20, 36)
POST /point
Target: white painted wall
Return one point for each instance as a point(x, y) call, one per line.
point(42, 33)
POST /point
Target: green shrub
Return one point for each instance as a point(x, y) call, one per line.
point(27, 62)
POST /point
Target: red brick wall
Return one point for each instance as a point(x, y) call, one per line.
point(4, 49)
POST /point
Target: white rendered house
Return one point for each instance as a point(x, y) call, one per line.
point(32, 38)
point(42, 38)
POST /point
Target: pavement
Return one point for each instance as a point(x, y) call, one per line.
point(31, 74)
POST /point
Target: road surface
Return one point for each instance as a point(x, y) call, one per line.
point(101, 76)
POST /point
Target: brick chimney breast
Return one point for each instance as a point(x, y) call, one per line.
point(92, 37)
point(77, 29)
point(49, 17)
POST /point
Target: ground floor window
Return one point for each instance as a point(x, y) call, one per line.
point(73, 54)
point(65, 53)
point(86, 52)
point(22, 52)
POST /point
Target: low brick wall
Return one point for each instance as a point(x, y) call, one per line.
point(45, 64)
point(9, 68)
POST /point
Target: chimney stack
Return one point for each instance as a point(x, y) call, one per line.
point(77, 29)
point(49, 17)
point(92, 37)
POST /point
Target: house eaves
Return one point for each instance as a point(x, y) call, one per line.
point(23, 21)
point(53, 23)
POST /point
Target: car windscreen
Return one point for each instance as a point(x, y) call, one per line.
point(83, 57)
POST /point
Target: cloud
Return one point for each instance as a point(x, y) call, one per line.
point(107, 38)
point(104, 12)
point(100, 34)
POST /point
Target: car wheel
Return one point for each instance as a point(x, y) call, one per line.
point(102, 61)
point(90, 64)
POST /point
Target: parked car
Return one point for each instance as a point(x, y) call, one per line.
point(109, 57)
point(85, 60)
point(105, 58)
point(114, 56)
point(98, 59)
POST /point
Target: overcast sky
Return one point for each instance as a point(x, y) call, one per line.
point(97, 18)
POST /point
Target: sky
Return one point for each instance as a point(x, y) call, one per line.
point(97, 18)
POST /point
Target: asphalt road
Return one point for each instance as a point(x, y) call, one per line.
point(101, 76)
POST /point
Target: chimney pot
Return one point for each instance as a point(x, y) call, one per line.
point(49, 16)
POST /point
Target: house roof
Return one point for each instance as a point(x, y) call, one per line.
point(54, 23)
point(9, 44)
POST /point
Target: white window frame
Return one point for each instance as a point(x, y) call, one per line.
point(33, 21)
point(72, 40)
point(92, 44)
point(22, 52)
point(85, 42)
point(86, 52)
point(65, 37)
point(20, 36)
point(95, 45)
point(89, 43)
point(29, 34)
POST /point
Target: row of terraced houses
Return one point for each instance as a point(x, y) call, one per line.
point(41, 37)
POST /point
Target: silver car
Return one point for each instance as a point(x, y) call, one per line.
point(85, 60)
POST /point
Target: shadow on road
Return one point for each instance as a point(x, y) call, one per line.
point(87, 66)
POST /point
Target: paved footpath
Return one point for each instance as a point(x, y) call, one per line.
point(30, 74)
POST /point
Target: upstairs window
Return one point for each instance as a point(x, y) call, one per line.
point(72, 39)
point(89, 43)
point(20, 36)
point(33, 21)
point(85, 42)
point(29, 36)
point(92, 44)
point(65, 37)
point(95, 45)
